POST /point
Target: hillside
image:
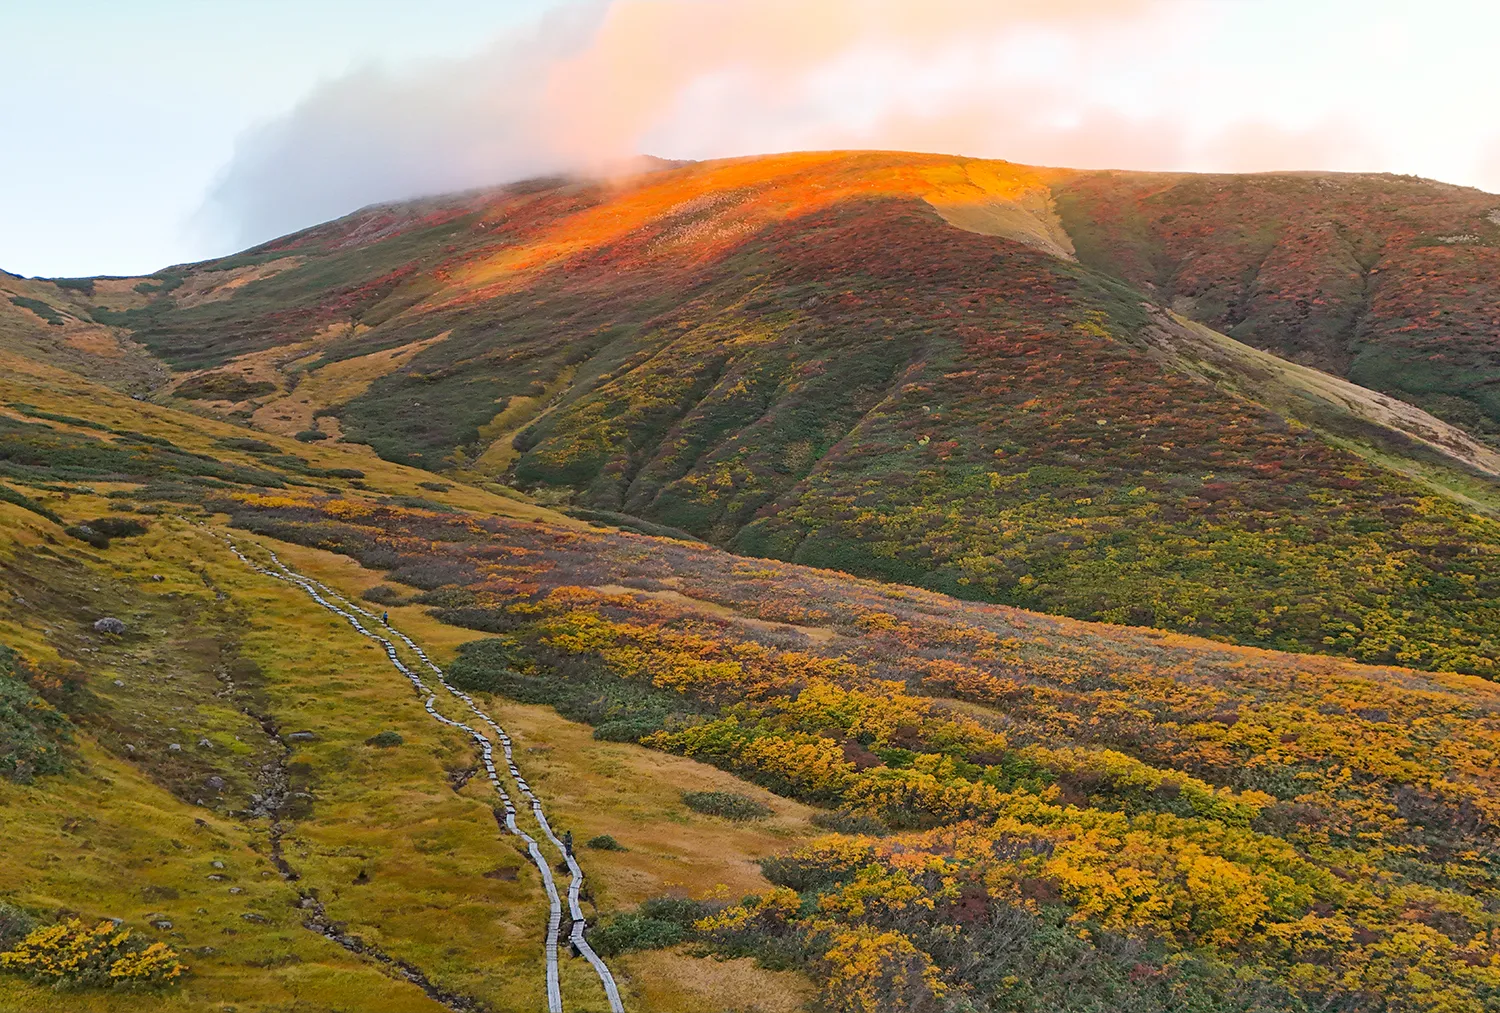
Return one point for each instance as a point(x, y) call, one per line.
point(914, 802)
point(1390, 281)
point(918, 368)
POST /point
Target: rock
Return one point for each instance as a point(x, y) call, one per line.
point(216, 864)
point(109, 624)
point(174, 748)
point(161, 923)
point(119, 682)
point(303, 736)
point(236, 889)
point(251, 916)
point(157, 577)
point(205, 744)
point(215, 783)
point(129, 748)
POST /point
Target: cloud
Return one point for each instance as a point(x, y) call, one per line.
point(376, 134)
point(1133, 84)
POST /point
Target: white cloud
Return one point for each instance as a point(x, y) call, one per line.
point(1144, 84)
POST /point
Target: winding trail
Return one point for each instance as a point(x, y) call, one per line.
point(342, 606)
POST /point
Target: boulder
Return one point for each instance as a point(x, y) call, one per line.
point(303, 736)
point(109, 624)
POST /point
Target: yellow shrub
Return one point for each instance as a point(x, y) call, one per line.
point(75, 953)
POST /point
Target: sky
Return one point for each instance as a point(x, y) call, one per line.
point(137, 135)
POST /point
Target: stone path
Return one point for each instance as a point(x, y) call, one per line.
point(342, 606)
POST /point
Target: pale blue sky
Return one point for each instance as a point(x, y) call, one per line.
point(140, 133)
point(118, 114)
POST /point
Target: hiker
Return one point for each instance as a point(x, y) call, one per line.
point(385, 618)
point(568, 841)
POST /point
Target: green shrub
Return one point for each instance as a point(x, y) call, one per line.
point(435, 486)
point(166, 282)
point(728, 804)
point(658, 923)
point(844, 822)
point(32, 732)
point(25, 502)
point(447, 597)
point(40, 308)
point(385, 740)
point(84, 285)
point(84, 533)
point(383, 594)
point(15, 925)
point(118, 527)
point(100, 530)
point(252, 446)
point(627, 729)
point(223, 387)
point(604, 842)
point(310, 436)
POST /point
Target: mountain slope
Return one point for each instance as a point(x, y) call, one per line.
point(805, 357)
point(1018, 812)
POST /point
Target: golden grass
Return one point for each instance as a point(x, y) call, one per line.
point(331, 385)
point(390, 813)
point(56, 390)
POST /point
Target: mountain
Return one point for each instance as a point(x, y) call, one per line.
point(633, 595)
point(996, 381)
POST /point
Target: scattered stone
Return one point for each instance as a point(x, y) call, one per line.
point(161, 923)
point(119, 682)
point(302, 736)
point(251, 916)
point(109, 624)
point(217, 877)
point(129, 748)
point(205, 744)
point(157, 577)
point(236, 889)
point(175, 747)
point(215, 783)
point(216, 864)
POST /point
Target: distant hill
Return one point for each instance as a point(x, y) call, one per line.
point(977, 377)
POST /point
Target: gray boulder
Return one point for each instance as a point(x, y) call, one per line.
point(109, 624)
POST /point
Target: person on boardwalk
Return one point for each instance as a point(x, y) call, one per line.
point(385, 618)
point(567, 840)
